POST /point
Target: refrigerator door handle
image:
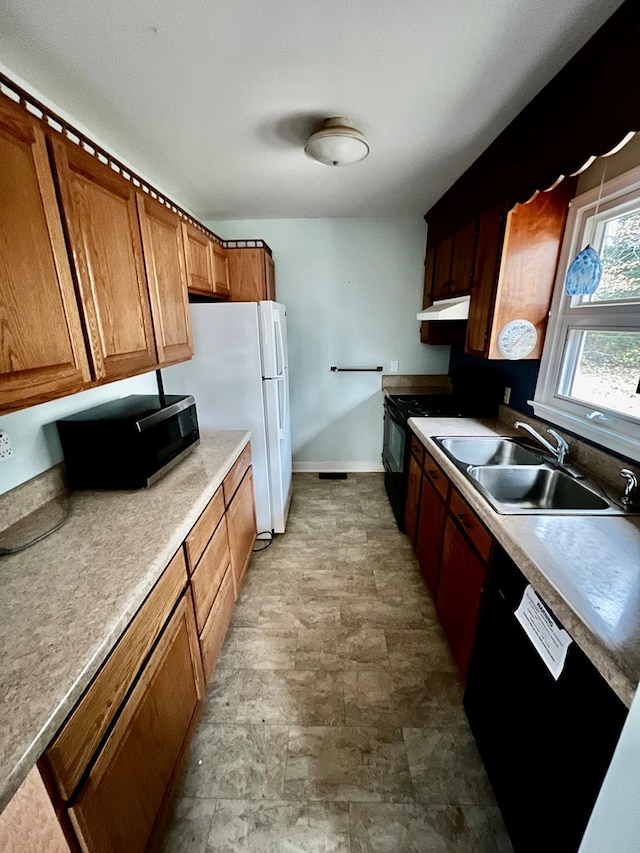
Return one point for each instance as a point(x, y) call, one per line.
point(280, 357)
point(282, 407)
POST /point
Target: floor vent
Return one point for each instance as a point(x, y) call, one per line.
point(332, 475)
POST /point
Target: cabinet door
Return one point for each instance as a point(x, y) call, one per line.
point(531, 246)
point(102, 224)
point(429, 534)
point(42, 349)
point(167, 279)
point(206, 580)
point(220, 270)
point(412, 505)
point(485, 280)
point(442, 268)
point(247, 274)
point(241, 527)
point(459, 589)
point(270, 277)
point(464, 250)
point(123, 799)
point(429, 261)
point(199, 260)
point(215, 628)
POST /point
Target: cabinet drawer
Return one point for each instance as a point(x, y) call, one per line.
point(209, 573)
point(201, 532)
point(215, 629)
point(475, 531)
point(235, 475)
point(433, 472)
point(418, 450)
point(71, 751)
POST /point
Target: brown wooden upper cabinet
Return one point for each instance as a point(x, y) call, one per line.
point(221, 287)
point(515, 267)
point(197, 249)
point(42, 349)
point(462, 259)
point(442, 269)
point(448, 266)
point(165, 265)
point(251, 274)
point(207, 270)
point(99, 208)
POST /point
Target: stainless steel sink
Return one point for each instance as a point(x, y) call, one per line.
point(488, 451)
point(516, 480)
point(528, 488)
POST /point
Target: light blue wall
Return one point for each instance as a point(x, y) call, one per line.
point(33, 435)
point(352, 288)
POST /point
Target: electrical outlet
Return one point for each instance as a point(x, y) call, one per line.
point(507, 395)
point(6, 451)
point(394, 366)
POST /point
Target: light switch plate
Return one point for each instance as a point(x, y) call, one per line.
point(394, 366)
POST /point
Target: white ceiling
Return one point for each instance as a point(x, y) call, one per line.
point(211, 100)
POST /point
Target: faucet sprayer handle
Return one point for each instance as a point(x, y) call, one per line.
point(630, 485)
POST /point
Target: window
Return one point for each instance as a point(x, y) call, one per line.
point(589, 378)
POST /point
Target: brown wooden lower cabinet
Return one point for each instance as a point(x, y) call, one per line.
point(430, 529)
point(113, 766)
point(210, 572)
point(453, 548)
point(215, 628)
point(462, 576)
point(121, 804)
point(412, 507)
point(241, 524)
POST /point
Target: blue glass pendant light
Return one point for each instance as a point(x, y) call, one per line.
point(584, 273)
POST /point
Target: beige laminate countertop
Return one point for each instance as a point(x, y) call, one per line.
point(586, 568)
point(67, 600)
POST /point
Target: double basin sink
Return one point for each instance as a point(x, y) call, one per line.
point(517, 480)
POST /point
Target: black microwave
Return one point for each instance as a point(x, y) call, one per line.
point(128, 443)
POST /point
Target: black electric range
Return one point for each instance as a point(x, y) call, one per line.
point(469, 399)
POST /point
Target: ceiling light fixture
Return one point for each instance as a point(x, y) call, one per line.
point(336, 143)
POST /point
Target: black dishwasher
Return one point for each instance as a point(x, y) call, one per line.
point(546, 744)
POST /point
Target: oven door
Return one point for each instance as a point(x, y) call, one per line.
point(395, 440)
point(394, 459)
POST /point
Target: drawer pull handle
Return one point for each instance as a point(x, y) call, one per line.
point(465, 522)
point(433, 474)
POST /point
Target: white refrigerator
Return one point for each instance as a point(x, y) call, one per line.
point(239, 377)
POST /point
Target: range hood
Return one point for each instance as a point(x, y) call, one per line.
point(447, 309)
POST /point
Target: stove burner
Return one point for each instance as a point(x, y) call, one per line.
point(428, 405)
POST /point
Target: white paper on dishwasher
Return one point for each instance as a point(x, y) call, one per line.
point(550, 641)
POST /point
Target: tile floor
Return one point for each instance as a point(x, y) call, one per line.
point(334, 721)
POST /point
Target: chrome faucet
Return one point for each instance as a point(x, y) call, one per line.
point(560, 451)
point(632, 483)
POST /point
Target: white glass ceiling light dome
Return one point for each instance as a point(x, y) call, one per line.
point(337, 143)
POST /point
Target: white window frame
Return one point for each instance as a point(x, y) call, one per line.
point(613, 431)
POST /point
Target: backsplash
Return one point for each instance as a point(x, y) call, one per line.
point(520, 376)
point(29, 497)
